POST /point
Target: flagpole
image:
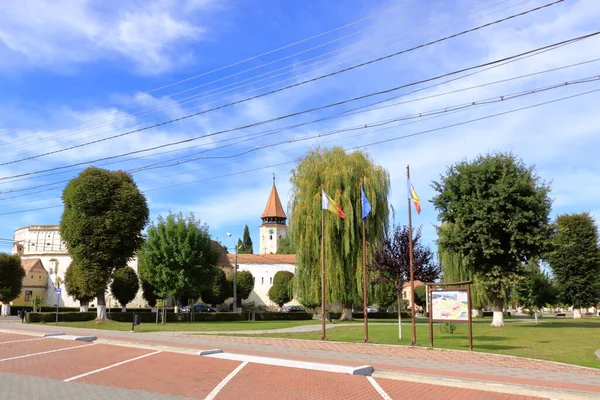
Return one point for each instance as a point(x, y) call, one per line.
point(365, 302)
point(323, 329)
point(412, 272)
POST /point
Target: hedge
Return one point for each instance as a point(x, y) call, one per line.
point(279, 316)
point(377, 315)
point(15, 309)
point(62, 317)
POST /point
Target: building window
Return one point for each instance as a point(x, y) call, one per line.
point(28, 294)
point(262, 282)
point(271, 279)
point(270, 237)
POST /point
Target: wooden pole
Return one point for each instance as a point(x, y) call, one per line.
point(412, 272)
point(429, 297)
point(323, 329)
point(365, 302)
point(470, 316)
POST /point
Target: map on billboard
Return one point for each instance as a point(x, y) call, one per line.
point(450, 305)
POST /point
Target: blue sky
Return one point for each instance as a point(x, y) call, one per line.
point(75, 72)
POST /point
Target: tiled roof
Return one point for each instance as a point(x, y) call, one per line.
point(417, 283)
point(263, 258)
point(29, 264)
point(223, 260)
point(273, 208)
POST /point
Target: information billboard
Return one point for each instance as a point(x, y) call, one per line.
point(450, 305)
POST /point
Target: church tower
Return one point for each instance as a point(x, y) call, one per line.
point(273, 225)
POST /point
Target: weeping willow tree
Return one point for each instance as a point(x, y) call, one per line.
point(454, 269)
point(340, 175)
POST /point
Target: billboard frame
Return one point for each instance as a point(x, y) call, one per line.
point(449, 287)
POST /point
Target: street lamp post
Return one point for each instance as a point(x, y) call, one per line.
point(235, 266)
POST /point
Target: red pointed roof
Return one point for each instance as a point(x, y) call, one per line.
point(273, 208)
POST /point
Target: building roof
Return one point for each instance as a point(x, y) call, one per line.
point(417, 283)
point(274, 207)
point(33, 265)
point(223, 259)
point(263, 258)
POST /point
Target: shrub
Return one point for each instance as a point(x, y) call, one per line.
point(378, 315)
point(278, 316)
point(172, 317)
point(62, 317)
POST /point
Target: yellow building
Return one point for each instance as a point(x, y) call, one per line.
point(35, 282)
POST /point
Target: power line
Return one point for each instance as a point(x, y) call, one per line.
point(347, 149)
point(289, 86)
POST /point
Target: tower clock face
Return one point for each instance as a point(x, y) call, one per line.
point(271, 231)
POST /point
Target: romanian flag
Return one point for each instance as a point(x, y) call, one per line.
point(414, 197)
point(329, 204)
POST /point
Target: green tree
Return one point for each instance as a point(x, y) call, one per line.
point(218, 290)
point(245, 285)
point(340, 175)
point(535, 289)
point(148, 292)
point(497, 209)
point(78, 286)
point(104, 214)
point(124, 286)
point(382, 294)
point(391, 263)
point(575, 260)
point(286, 245)
point(421, 295)
point(11, 280)
point(246, 244)
point(178, 257)
point(280, 292)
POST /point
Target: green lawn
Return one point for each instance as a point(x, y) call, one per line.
point(188, 326)
point(567, 341)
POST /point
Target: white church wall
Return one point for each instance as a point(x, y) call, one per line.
point(263, 280)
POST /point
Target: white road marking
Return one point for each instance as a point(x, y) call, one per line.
point(224, 382)
point(379, 389)
point(45, 352)
point(22, 340)
point(110, 366)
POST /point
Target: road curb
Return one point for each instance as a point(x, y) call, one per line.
point(496, 387)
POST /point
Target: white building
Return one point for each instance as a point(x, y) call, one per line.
point(43, 242)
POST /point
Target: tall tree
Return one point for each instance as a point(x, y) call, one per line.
point(124, 286)
point(286, 245)
point(535, 289)
point(148, 292)
point(391, 263)
point(497, 209)
point(340, 175)
point(11, 280)
point(104, 214)
point(245, 285)
point(575, 260)
point(217, 290)
point(247, 247)
point(280, 292)
point(79, 286)
point(178, 257)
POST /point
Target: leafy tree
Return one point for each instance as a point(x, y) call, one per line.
point(148, 292)
point(125, 285)
point(497, 214)
point(286, 245)
point(245, 285)
point(11, 280)
point(340, 175)
point(391, 262)
point(280, 292)
point(454, 269)
point(382, 294)
point(575, 260)
point(178, 257)
point(78, 286)
point(246, 244)
point(218, 290)
point(535, 289)
point(104, 214)
point(421, 295)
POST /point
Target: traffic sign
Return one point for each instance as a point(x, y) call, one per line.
point(58, 290)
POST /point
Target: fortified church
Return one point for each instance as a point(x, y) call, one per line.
point(45, 260)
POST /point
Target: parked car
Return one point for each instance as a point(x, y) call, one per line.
point(293, 309)
point(372, 309)
point(198, 308)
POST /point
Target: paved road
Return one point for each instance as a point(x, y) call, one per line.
point(398, 369)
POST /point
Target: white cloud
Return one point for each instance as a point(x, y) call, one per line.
point(150, 34)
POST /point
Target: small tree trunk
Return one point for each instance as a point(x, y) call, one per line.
point(176, 308)
point(498, 319)
point(123, 308)
point(346, 312)
point(5, 310)
point(101, 307)
point(576, 312)
point(399, 318)
point(535, 314)
point(84, 306)
point(480, 312)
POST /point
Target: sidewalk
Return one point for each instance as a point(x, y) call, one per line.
point(396, 362)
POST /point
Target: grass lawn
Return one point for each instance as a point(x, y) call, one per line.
point(572, 342)
point(188, 326)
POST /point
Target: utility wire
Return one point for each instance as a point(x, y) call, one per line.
point(291, 86)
